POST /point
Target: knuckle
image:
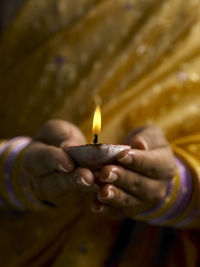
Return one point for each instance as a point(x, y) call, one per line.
point(123, 179)
point(126, 202)
point(137, 182)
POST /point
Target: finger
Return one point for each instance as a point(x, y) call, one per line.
point(41, 159)
point(60, 133)
point(84, 178)
point(158, 163)
point(53, 185)
point(57, 183)
point(134, 183)
point(146, 138)
point(111, 195)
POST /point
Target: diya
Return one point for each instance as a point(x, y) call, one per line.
point(94, 156)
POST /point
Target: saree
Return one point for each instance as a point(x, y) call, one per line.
point(140, 61)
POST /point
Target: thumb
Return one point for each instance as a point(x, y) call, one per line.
point(146, 138)
point(40, 159)
point(60, 133)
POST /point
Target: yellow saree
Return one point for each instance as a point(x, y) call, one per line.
point(140, 60)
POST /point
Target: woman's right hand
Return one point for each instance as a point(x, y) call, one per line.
point(52, 173)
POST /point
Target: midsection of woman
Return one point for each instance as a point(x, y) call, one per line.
point(127, 56)
point(138, 59)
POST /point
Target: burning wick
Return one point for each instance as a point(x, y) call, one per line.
point(95, 141)
point(96, 124)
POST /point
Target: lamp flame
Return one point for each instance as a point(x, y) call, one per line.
point(96, 129)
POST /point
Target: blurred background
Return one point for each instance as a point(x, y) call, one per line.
point(7, 10)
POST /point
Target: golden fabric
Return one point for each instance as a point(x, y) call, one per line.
point(139, 59)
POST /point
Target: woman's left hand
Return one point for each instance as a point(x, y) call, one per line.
point(141, 179)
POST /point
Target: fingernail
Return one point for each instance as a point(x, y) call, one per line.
point(144, 143)
point(146, 146)
point(65, 144)
point(96, 209)
point(62, 169)
point(81, 181)
point(126, 159)
point(110, 195)
point(111, 177)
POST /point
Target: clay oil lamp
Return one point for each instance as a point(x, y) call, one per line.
point(96, 155)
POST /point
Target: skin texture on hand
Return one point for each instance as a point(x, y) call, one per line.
point(140, 179)
point(137, 183)
point(51, 171)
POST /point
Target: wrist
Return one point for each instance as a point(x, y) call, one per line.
point(176, 199)
point(14, 186)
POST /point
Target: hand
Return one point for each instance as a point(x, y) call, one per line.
point(51, 171)
point(141, 179)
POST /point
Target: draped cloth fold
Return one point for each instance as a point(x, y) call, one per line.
point(141, 61)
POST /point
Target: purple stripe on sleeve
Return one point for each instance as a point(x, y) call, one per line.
point(165, 217)
point(6, 145)
point(184, 172)
point(3, 203)
point(182, 198)
point(8, 175)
